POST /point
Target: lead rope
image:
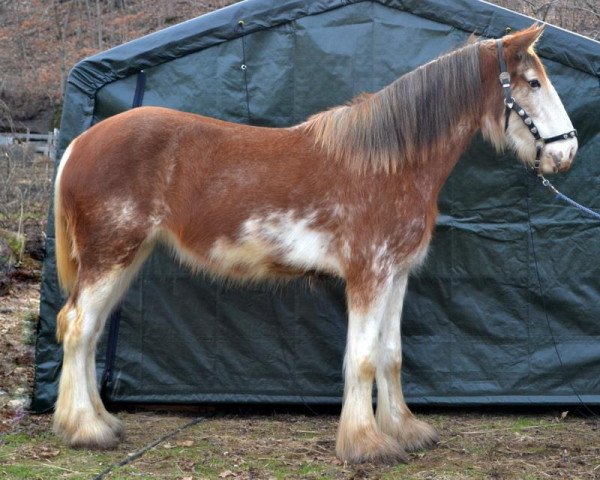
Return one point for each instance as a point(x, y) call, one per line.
point(546, 183)
point(135, 455)
point(590, 412)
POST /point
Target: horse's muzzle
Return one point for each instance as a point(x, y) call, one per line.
point(558, 158)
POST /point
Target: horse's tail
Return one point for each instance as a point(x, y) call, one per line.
point(66, 263)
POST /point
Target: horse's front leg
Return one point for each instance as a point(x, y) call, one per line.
point(393, 415)
point(359, 439)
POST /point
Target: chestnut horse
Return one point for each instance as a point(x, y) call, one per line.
point(351, 192)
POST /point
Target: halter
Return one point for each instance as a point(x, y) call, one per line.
point(511, 104)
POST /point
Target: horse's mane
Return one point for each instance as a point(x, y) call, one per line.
point(402, 122)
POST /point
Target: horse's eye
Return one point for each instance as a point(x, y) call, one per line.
point(534, 84)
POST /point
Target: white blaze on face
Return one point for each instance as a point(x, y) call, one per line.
point(546, 110)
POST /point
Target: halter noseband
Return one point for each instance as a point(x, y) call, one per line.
point(511, 104)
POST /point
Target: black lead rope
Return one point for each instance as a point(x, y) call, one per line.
point(135, 455)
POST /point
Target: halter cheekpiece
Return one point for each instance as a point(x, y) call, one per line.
point(510, 104)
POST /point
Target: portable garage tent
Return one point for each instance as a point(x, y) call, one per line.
point(479, 325)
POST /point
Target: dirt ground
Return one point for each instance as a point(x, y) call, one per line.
point(271, 443)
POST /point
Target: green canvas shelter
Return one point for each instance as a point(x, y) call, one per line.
point(507, 307)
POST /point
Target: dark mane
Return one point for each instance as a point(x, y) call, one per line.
point(402, 122)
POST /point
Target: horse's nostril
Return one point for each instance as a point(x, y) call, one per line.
point(556, 158)
point(571, 154)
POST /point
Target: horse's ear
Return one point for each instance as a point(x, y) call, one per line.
point(525, 39)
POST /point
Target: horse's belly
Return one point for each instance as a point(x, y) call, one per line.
point(278, 244)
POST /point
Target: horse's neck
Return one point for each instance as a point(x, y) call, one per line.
point(447, 151)
point(443, 157)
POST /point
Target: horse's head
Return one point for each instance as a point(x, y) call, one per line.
point(531, 118)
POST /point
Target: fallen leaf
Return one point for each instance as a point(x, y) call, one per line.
point(226, 474)
point(48, 452)
point(168, 445)
point(564, 414)
point(185, 443)
point(44, 451)
point(187, 465)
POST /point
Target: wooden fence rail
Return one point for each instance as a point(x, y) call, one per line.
point(44, 143)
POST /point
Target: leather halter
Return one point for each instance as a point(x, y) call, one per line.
point(510, 104)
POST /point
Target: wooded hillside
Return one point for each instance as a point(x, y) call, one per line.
point(42, 39)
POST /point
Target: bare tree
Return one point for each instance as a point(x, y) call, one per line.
point(99, 22)
point(581, 16)
point(61, 24)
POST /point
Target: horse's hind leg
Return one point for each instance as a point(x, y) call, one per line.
point(393, 415)
point(80, 417)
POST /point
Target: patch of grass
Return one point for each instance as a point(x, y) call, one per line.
point(211, 468)
point(12, 441)
point(312, 469)
point(399, 471)
point(43, 456)
point(12, 463)
point(19, 471)
point(16, 242)
point(525, 423)
point(473, 447)
point(446, 472)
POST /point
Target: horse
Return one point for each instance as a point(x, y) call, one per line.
point(351, 192)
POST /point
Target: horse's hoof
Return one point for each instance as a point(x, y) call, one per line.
point(88, 433)
point(370, 446)
point(416, 435)
point(115, 425)
point(95, 438)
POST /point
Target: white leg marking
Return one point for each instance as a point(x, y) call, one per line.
point(358, 438)
point(77, 418)
point(393, 415)
point(80, 417)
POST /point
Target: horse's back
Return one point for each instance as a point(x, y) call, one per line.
point(140, 141)
point(196, 178)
